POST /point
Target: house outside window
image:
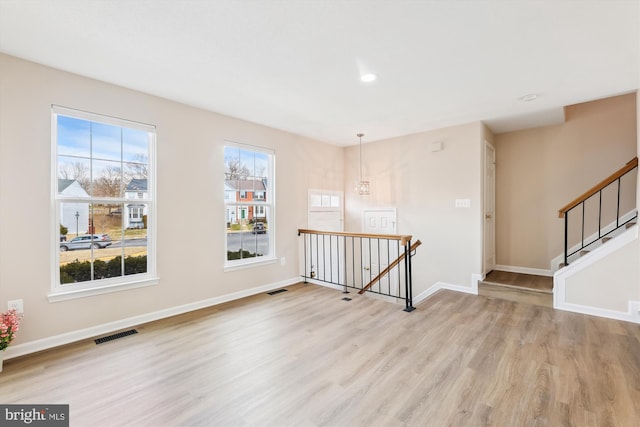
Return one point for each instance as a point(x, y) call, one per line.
point(250, 220)
point(102, 240)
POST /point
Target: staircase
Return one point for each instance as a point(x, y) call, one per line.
point(529, 288)
point(595, 244)
point(372, 264)
point(593, 215)
point(604, 212)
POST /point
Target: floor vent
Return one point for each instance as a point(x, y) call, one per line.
point(279, 291)
point(116, 336)
point(346, 299)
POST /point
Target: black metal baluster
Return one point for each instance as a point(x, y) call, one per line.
point(344, 264)
point(398, 245)
point(618, 205)
point(369, 264)
point(330, 259)
point(361, 261)
point(353, 261)
point(407, 264)
point(582, 241)
point(304, 241)
point(388, 275)
point(599, 214)
point(317, 272)
point(371, 271)
point(566, 238)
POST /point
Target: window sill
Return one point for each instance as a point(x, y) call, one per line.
point(69, 294)
point(249, 264)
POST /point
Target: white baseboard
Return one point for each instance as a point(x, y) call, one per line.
point(386, 298)
point(442, 285)
point(560, 277)
point(475, 278)
point(82, 334)
point(631, 315)
point(325, 284)
point(525, 270)
point(473, 289)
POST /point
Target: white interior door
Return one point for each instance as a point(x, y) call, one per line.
point(377, 254)
point(325, 253)
point(489, 235)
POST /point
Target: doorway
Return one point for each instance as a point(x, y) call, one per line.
point(325, 213)
point(489, 207)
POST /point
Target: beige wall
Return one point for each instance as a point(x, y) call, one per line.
point(540, 170)
point(190, 174)
point(423, 185)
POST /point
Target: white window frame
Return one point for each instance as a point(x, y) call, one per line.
point(68, 291)
point(269, 204)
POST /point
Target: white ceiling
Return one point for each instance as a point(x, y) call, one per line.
point(295, 64)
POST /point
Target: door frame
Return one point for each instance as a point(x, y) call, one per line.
point(488, 197)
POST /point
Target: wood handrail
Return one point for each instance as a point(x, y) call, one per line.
point(401, 237)
point(633, 163)
point(389, 267)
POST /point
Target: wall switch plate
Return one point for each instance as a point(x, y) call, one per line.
point(463, 203)
point(16, 304)
point(283, 261)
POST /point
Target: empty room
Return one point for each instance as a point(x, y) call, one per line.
point(319, 213)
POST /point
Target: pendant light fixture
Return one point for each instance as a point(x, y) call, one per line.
point(363, 186)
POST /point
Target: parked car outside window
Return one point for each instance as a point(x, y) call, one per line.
point(95, 241)
point(258, 228)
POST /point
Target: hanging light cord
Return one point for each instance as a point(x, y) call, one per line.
point(360, 135)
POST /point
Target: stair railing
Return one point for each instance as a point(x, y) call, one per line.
point(579, 203)
point(364, 262)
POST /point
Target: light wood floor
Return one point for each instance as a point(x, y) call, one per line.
point(530, 282)
point(307, 358)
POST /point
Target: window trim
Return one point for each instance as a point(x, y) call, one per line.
point(270, 206)
point(59, 292)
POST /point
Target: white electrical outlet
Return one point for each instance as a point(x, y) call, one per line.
point(283, 261)
point(16, 304)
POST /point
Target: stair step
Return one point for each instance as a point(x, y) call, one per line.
point(519, 281)
point(606, 239)
point(513, 294)
point(630, 224)
point(584, 252)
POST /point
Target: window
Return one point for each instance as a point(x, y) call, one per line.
point(250, 231)
point(101, 163)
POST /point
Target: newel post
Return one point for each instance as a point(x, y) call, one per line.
point(408, 286)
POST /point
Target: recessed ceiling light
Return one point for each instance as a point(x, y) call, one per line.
point(368, 78)
point(529, 97)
